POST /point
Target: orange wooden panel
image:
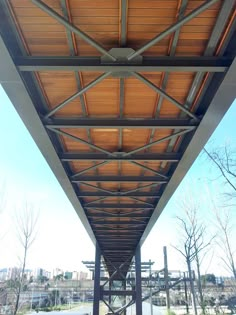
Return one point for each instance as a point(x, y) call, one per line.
point(134, 138)
point(29, 4)
point(169, 110)
point(139, 98)
point(105, 138)
point(108, 4)
point(130, 169)
point(109, 169)
point(80, 11)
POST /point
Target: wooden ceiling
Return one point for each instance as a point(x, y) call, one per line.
point(121, 138)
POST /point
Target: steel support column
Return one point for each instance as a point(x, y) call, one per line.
point(96, 294)
point(124, 302)
point(138, 281)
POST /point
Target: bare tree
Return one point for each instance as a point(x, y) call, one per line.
point(189, 254)
point(224, 159)
point(193, 243)
point(225, 227)
point(26, 222)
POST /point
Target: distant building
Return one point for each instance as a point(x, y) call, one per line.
point(75, 275)
point(9, 273)
point(68, 275)
point(3, 274)
point(83, 275)
point(40, 272)
point(56, 272)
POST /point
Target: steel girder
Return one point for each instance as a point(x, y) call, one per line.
point(149, 64)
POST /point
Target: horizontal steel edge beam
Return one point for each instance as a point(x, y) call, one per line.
point(119, 179)
point(117, 123)
point(129, 230)
point(117, 234)
point(103, 223)
point(154, 64)
point(131, 215)
point(119, 206)
point(103, 194)
point(121, 262)
point(88, 156)
point(117, 292)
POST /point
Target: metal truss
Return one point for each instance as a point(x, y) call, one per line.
point(104, 217)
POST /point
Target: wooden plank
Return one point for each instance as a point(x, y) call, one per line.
point(168, 21)
point(151, 4)
point(94, 4)
point(29, 4)
point(156, 28)
point(165, 12)
point(80, 11)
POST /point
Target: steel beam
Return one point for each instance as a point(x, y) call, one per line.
point(122, 193)
point(123, 24)
point(129, 230)
point(113, 234)
point(83, 194)
point(119, 206)
point(132, 215)
point(149, 64)
point(119, 123)
point(111, 214)
point(88, 156)
point(173, 27)
point(118, 292)
point(118, 222)
point(129, 179)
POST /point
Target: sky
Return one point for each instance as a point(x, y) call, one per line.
point(61, 241)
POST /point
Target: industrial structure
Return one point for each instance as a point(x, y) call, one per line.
point(120, 96)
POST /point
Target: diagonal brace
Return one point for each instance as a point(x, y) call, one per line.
point(77, 94)
point(148, 169)
point(89, 169)
point(93, 146)
point(164, 94)
point(177, 134)
point(73, 28)
point(173, 27)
